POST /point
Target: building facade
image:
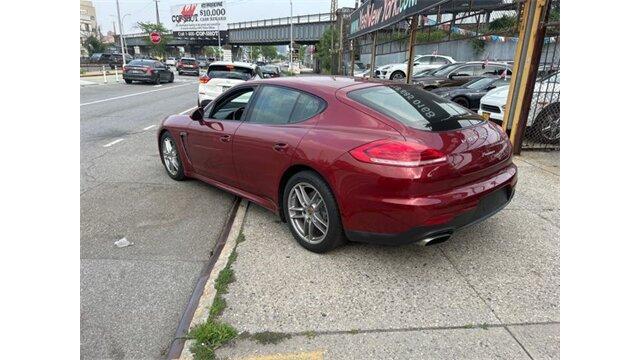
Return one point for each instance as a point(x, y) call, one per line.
point(88, 24)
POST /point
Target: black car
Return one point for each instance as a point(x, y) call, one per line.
point(112, 60)
point(149, 71)
point(270, 71)
point(457, 74)
point(469, 94)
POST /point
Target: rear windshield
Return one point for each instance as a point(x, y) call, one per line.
point(229, 72)
point(415, 107)
point(189, 61)
point(140, 62)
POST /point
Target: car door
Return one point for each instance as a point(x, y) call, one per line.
point(422, 63)
point(264, 143)
point(210, 140)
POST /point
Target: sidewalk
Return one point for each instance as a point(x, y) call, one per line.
point(100, 79)
point(491, 291)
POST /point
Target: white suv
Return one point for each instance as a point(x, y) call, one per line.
point(398, 71)
point(221, 75)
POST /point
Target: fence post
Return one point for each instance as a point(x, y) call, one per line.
point(412, 38)
point(527, 59)
point(104, 74)
point(374, 45)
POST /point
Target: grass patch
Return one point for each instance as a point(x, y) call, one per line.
point(310, 334)
point(354, 331)
point(269, 337)
point(484, 326)
point(212, 334)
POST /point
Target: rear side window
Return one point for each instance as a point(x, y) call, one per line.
point(279, 105)
point(415, 107)
point(229, 72)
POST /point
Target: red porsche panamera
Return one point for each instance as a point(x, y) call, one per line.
point(341, 158)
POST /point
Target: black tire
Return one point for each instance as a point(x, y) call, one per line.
point(334, 235)
point(397, 75)
point(128, 81)
point(179, 174)
point(157, 81)
point(461, 101)
point(547, 117)
point(179, 72)
point(171, 78)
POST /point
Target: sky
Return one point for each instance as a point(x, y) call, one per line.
point(238, 10)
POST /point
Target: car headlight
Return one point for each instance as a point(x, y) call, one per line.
point(444, 95)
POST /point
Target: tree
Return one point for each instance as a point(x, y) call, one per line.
point(268, 51)
point(159, 49)
point(324, 50)
point(213, 51)
point(93, 45)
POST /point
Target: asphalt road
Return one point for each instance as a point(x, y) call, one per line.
point(132, 297)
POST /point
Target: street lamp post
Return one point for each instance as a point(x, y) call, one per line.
point(291, 35)
point(121, 34)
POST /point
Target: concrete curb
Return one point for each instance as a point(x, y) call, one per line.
point(201, 313)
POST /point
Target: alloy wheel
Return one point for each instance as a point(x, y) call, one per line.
point(550, 129)
point(308, 213)
point(170, 156)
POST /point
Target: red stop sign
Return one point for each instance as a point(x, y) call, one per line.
point(155, 37)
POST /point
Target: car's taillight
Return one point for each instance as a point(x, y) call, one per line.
point(397, 153)
point(204, 79)
point(149, 70)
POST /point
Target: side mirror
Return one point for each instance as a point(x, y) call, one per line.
point(491, 87)
point(198, 114)
point(416, 64)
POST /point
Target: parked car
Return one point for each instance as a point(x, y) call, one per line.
point(116, 60)
point(544, 114)
point(222, 75)
point(149, 71)
point(270, 71)
point(460, 73)
point(422, 62)
point(469, 94)
point(188, 66)
point(336, 157)
point(113, 60)
point(171, 61)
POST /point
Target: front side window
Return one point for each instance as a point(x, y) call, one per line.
point(439, 61)
point(415, 107)
point(232, 107)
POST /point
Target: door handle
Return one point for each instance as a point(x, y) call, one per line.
point(225, 138)
point(280, 147)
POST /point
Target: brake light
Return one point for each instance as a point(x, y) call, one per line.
point(149, 70)
point(397, 153)
point(204, 79)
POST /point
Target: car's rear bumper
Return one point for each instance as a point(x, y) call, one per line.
point(139, 77)
point(397, 215)
point(487, 206)
point(190, 71)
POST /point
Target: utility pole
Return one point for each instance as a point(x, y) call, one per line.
point(157, 13)
point(124, 60)
point(291, 36)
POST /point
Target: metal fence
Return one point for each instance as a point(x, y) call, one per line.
point(477, 33)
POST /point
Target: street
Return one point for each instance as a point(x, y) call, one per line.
point(132, 297)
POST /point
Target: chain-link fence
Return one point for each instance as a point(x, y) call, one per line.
point(481, 37)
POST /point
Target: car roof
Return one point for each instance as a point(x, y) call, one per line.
point(319, 84)
point(235, 63)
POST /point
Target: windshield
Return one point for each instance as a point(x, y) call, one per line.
point(444, 70)
point(229, 72)
point(270, 69)
point(483, 83)
point(359, 66)
point(424, 72)
point(552, 78)
point(415, 107)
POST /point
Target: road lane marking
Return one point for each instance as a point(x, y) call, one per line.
point(113, 142)
point(149, 127)
point(130, 95)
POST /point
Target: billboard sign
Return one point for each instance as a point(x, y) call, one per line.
point(199, 16)
point(377, 14)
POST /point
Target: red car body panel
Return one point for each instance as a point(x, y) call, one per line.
point(378, 203)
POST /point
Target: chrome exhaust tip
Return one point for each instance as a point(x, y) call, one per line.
point(434, 239)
